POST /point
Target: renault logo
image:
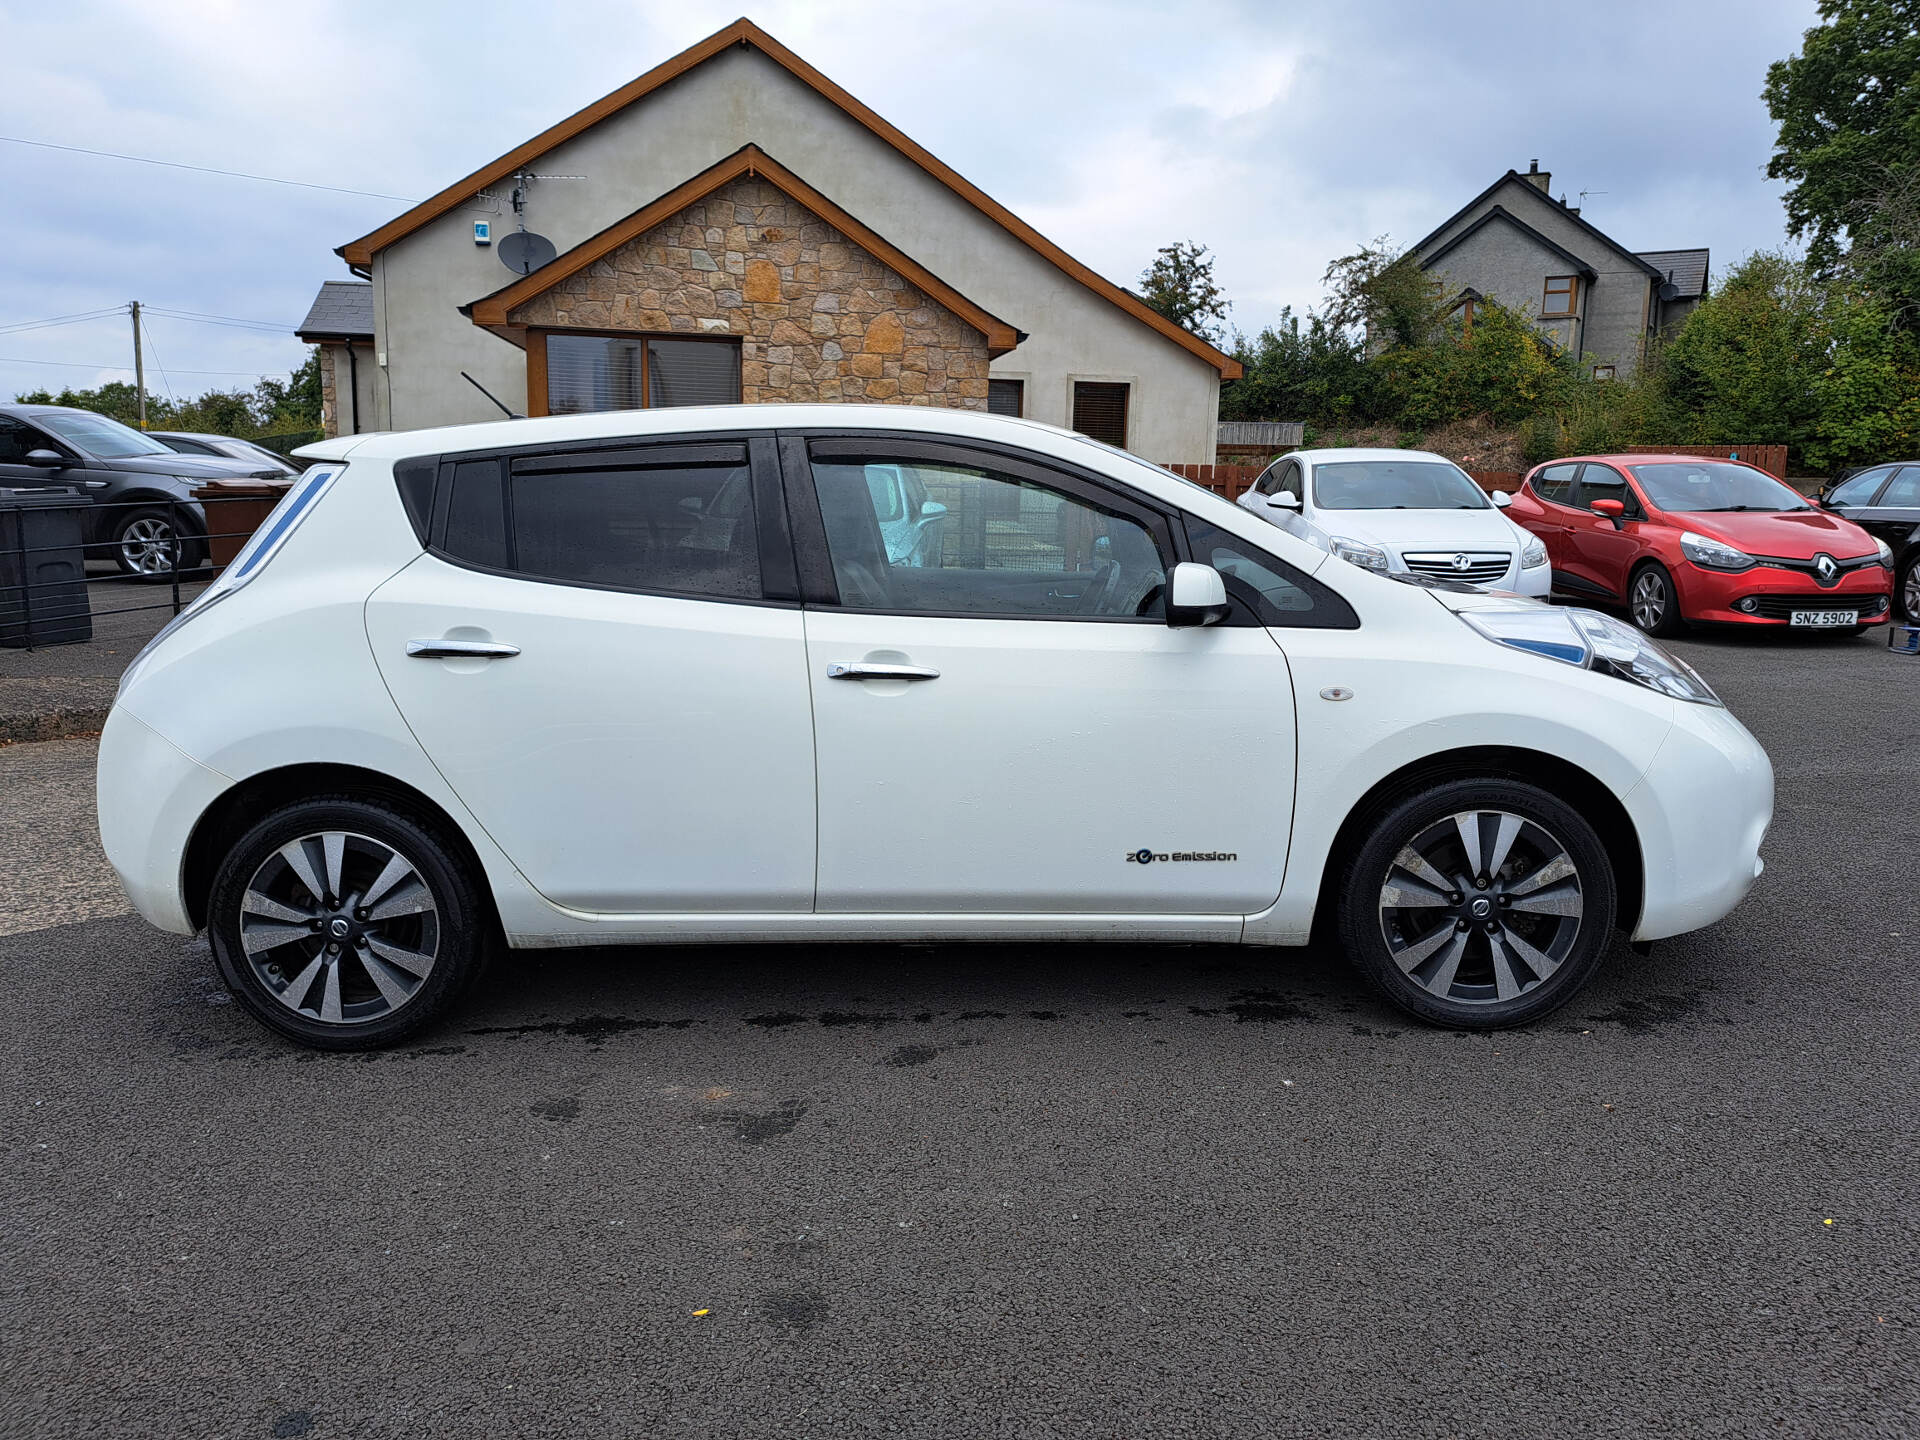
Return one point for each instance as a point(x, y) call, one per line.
point(1825, 567)
point(1461, 562)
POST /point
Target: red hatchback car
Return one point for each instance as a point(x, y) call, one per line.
point(1677, 539)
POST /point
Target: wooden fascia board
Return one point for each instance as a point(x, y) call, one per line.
point(744, 32)
point(493, 310)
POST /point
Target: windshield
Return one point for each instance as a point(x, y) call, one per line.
point(1394, 485)
point(1695, 486)
point(100, 437)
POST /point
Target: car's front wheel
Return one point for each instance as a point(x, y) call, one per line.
point(1906, 595)
point(1478, 904)
point(345, 923)
point(1653, 602)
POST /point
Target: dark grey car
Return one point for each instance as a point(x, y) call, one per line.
point(143, 516)
point(1884, 501)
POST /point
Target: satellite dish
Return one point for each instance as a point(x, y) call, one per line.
point(524, 252)
point(1668, 290)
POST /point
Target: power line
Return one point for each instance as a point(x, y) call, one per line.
point(165, 380)
point(204, 169)
point(115, 365)
point(20, 326)
point(221, 319)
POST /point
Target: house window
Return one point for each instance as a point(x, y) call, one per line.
point(1007, 397)
point(589, 373)
point(1603, 372)
point(1100, 411)
point(1563, 291)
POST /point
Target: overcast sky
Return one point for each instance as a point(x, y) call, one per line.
point(1281, 135)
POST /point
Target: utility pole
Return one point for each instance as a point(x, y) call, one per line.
point(139, 365)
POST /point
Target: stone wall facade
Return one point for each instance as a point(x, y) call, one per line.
point(817, 316)
point(329, 391)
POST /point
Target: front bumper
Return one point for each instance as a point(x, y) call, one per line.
point(1767, 595)
point(150, 795)
point(1701, 812)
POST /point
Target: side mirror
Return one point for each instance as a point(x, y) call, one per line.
point(931, 509)
point(692, 504)
point(1503, 498)
point(1284, 500)
point(1196, 595)
point(1614, 510)
point(46, 459)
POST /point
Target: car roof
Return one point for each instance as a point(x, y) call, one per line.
point(199, 435)
point(1360, 452)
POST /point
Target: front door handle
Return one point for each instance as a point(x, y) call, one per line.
point(460, 650)
point(866, 671)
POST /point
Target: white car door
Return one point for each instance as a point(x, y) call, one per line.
point(1008, 725)
point(603, 655)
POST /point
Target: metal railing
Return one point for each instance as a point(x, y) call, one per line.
point(31, 607)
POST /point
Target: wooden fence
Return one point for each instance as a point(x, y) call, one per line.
point(1228, 480)
point(1770, 458)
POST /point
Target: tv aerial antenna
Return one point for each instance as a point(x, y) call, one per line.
point(524, 252)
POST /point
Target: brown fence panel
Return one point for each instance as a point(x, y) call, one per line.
point(1492, 480)
point(1228, 480)
point(1770, 458)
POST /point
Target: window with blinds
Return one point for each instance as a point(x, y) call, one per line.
point(591, 373)
point(1100, 411)
point(1007, 397)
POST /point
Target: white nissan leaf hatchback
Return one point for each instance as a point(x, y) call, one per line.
point(660, 676)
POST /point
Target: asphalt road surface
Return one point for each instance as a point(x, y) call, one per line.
point(1024, 1191)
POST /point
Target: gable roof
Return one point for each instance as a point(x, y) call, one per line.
point(745, 32)
point(1688, 268)
point(1544, 199)
point(493, 311)
point(343, 310)
point(1500, 213)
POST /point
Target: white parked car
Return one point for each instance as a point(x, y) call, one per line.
point(1403, 512)
point(505, 684)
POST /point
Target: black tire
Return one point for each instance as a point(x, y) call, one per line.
point(1373, 934)
point(455, 940)
point(1652, 581)
point(1906, 592)
point(147, 542)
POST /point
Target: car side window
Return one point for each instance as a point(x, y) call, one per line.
point(1269, 480)
point(15, 441)
point(1904, 492)
point(1264, 589)
point(1603, 482)
point(1290, 478)
point(983, 542)
point(1555, 483)
point(1861, 489)
point(682, 525)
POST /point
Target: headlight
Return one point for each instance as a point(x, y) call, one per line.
point(1713, 554)
point(1358, 552)
point(1592, 641)
point(1886, 552)
point(1534, 555)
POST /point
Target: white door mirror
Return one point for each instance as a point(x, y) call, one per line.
point(1196, 595)
point(1502, 499)
point(1284, 500)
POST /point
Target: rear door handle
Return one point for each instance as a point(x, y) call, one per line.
point(866, 671)
point(460, 650)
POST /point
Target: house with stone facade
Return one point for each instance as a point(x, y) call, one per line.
point(1591, 295)
point(733, 227)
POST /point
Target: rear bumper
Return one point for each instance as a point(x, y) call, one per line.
point(1768, 596)
point(150, 796)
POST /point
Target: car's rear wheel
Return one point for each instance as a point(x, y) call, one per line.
point(346, 924)
point(1478, 904)
point(1906, 594)
point(1653, 602)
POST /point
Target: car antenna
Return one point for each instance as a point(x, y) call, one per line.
point(490, 395)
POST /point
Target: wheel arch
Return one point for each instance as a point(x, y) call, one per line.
point(188, 512)
point(240, 807)
point(1562, 778)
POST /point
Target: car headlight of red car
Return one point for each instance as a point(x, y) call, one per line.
point(1713, 554)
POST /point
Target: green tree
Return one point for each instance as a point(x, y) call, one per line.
point(1179, 284)
point(1741, 367)
point(1316, 373)
point(274, 406)
point(1848, 108)
point(1381, 291)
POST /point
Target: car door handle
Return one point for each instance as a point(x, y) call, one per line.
point(865, 671)
point(460, 650)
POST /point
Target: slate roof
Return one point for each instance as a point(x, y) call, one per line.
point(343, 310)
point(1689, 269)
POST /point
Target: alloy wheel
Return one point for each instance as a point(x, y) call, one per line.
point(1649, 600)
point(1910, 594)
point(1481, 907)
point(339, 927)
point(147, 546)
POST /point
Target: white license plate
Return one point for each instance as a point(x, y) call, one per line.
point(1825, 619)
